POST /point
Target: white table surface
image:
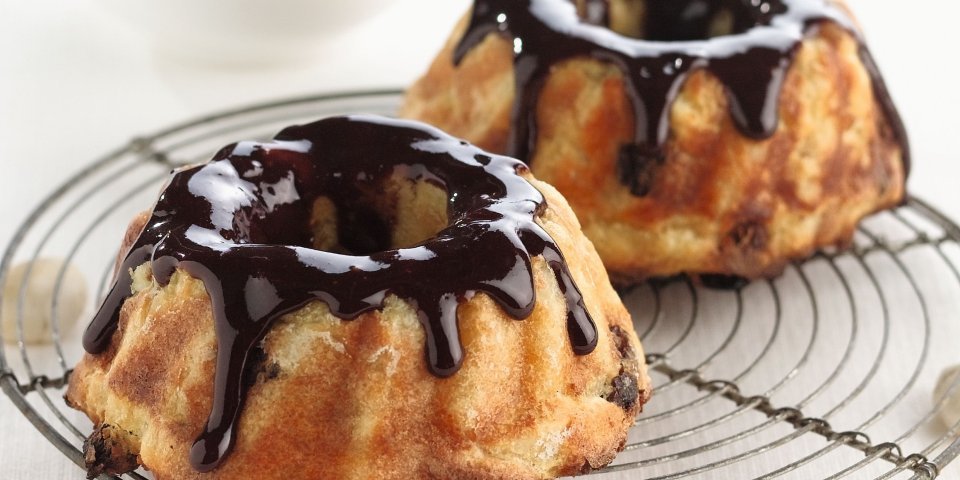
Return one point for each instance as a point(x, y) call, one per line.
point(76, 81)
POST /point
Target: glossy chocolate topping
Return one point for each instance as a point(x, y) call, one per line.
point(751, 61)
point(241, 224)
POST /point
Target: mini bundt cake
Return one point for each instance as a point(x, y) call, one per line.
point(720, 137)
point(358, 298)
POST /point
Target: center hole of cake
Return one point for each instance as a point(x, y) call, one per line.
point(679, 20)
point(398, 214)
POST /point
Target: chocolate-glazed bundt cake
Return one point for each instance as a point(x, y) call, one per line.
point(700, 136)
point(359, 298)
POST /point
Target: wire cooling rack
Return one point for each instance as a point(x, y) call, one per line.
point(825, 372)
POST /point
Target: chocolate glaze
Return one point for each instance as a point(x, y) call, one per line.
point(241, 225)
point(595, 12)
point(751, 62)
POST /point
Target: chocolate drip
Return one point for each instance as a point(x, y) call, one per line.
point(241, 225)
point(751, 62)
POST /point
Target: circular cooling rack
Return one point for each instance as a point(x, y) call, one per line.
point(825, 372)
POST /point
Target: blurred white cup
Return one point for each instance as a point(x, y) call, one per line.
point(243, 32)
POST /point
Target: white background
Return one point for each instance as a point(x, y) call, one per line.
point(76, 81)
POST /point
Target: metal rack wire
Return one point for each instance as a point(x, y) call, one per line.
point(825, 372)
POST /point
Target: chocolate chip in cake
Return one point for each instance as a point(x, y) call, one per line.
point(749, 236)
point(624, 387)
point(107, 450)
point(637, 167)
point(625, 390)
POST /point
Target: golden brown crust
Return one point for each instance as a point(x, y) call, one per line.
point(354, 399)
point(721, 203)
